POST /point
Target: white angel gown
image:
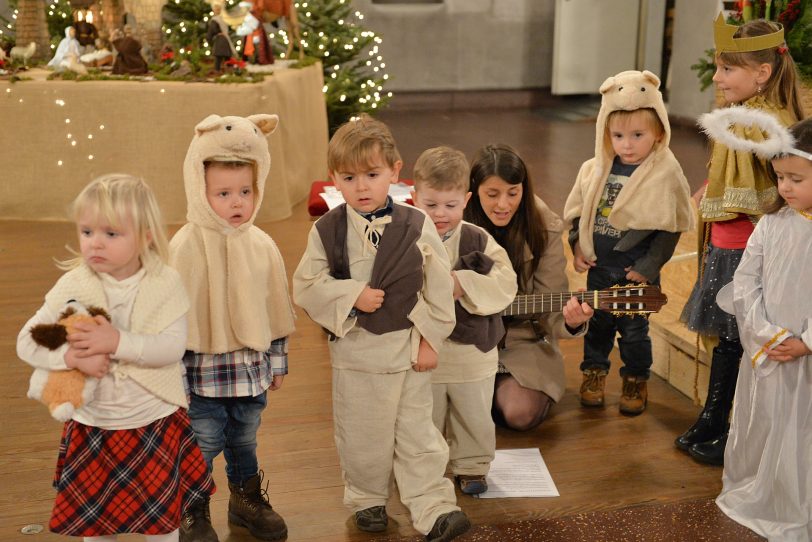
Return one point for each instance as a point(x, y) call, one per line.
point(767, 479)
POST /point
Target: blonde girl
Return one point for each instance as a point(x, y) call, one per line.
point(128, 461)
point(754, 69)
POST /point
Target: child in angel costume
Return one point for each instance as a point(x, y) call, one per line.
point(768, 465)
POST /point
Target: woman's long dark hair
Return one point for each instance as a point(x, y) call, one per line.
point(526, 227)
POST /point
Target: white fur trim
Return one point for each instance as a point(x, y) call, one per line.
point(717, 125)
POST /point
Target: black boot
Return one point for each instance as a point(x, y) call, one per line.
point(712, 452)
point(195, 525)
point(713, 420)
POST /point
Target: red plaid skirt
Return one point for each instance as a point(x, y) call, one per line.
point(127, 481)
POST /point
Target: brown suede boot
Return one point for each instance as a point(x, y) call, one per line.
point(634, 397)
point(592, 387)
point(248, 507)
point(195, 524)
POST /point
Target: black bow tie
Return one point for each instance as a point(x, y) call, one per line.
point(379, 213)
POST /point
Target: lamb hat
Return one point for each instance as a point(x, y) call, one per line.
point(224, 139)
point(628, 91)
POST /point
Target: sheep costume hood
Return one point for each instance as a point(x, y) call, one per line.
point(657, 195)
point(235, 277)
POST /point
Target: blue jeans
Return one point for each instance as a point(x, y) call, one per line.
point(228, 425)
point(634, 342)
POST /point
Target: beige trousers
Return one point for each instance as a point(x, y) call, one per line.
point(462, 412)
point(383, 426)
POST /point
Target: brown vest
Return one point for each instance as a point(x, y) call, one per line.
point(398, 267)
point(484, 332)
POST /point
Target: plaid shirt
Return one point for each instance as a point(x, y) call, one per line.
point(242, 373)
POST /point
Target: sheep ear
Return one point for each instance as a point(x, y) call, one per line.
point(651, 78)
point(208, 124)
point(609, 83)
point(266, 123)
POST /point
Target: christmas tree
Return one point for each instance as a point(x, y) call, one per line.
point(59, 15)
point(7, 28)
point(353, 67)
point(185, 23)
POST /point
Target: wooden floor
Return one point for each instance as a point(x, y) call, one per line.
point(600, 460)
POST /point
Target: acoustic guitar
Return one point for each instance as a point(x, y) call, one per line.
point(630, 300)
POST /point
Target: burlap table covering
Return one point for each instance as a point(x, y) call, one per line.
point(144, 128)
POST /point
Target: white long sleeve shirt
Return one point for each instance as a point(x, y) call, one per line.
point(119, 402)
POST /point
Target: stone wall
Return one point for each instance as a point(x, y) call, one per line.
point(31, 26)
point(147, 15)
point(111, 15)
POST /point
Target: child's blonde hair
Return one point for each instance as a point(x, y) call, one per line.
point(648, 115)
point(782, 86)
point(115, 198)
point(442, 168)
point(357, 142)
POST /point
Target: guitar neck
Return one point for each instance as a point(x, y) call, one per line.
point(547, 302)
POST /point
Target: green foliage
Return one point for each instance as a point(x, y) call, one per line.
point(185, 22)
point(705, 68)
point(7, 33)
point(93, 74)
point(184, 26)
point(59, 16)
point(304, 63)
point(353, 68)
point(799, 40)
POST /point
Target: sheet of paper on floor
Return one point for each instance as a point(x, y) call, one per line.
point(333, 198)
point(519, 473)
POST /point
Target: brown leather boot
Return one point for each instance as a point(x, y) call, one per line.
point(592, 387)
point(634, 398)
point(248, 507)
point(195, 525)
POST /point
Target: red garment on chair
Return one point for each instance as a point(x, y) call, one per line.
point(316, 206)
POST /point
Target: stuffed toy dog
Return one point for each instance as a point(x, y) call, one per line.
point(63, 391)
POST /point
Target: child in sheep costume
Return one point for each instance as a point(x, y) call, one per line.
point(628, 207)
point(241, 314)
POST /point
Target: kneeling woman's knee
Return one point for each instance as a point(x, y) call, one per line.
point(524, 417)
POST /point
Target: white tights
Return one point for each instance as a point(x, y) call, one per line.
point(169, 537)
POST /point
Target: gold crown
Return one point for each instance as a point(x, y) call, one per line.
point(726, 43)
